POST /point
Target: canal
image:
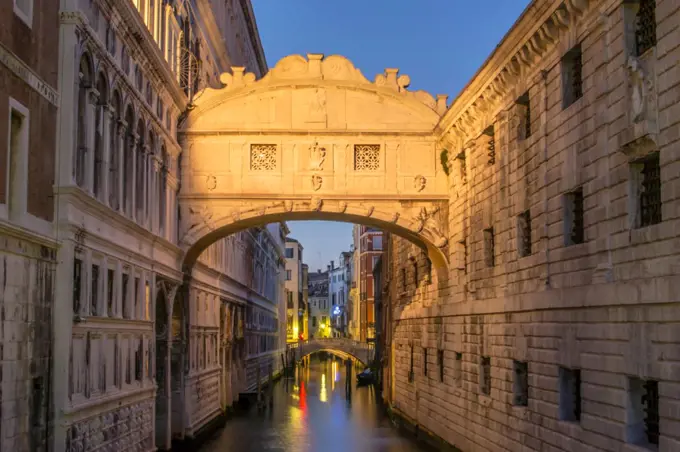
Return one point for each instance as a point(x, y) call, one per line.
point(311, 413)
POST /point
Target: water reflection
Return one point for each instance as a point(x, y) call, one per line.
point(311, 414)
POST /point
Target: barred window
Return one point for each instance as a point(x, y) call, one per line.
point(643, 418)
point(485, 375)
point(574, 229)
point(524, 233)
point(572, 76)
point(491, 145)
point(425, 361)
point(410, 373)
point(645, 26)
point(570, 394)
point(489, 251)
point(520, 383)
point(458, 370)
point(440, 360)
point(646, 180)
point(525, 115)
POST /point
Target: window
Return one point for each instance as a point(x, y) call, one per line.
point(524, 112)
point(428, 270)
point(139, 353)
point(290, 300)
point(574, 231)
point(524, 233)
point(289, 253)
point(646, 190)
point(440, 361)
point(458, 370)
point(289, 275)
point(485, 375)
point(24, 11)
point(136, 302)
point(520, 383)
point(403, 279)
point(425, 361)
point(570, 394)
point(489, 251)
point(77, 282)
point(645, 26)
point(572, 76)
point(377, 242)
point(375, 262)
point(94, 287)
point(491, 145)
point(410, 372)
point(17, 160)
point(314, 321)
point(110, 281)
point(462, 255)
point(643, 412)
point(124, 291)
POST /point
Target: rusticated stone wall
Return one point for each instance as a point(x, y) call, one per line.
point(608, 308)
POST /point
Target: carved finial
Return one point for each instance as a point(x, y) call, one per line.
point(441, 103)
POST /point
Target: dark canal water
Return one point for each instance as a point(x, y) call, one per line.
point(312, 414)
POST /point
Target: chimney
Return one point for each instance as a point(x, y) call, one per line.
point(332, 265)
point(328, 267)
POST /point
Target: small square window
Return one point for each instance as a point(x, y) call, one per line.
point(572, 76)
point(520, 383)
point(570, 394)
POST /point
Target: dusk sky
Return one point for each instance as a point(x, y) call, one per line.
point(440, 44)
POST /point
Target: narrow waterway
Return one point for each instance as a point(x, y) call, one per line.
point(311, 413)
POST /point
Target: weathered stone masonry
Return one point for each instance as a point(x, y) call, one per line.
point(591, 308)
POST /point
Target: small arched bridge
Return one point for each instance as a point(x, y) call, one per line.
point(344, 348)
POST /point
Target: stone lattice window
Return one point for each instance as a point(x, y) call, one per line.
point(524, 105)
point(489, 247)
point(491, 145)
point(574, 229)
point(645, 26)
point(485, 375)
point(366, 157)
point(520, 383)
point(524, 233)
point(572, 76)
point(263, 157)
point(570, 394)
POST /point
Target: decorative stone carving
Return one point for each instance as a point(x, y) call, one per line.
point(198, 216)
point(426, 218)
point(641, 87)
point(317, 108)
point(315, 204)
point(342, 207)
point(317, 156)
point(263, 157)
point(419, 182)
point(317, 181)
point(395, 217)
point(288, 206)
point(366, 157)
point(210, 182)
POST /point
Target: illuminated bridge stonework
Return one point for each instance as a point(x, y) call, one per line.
point(344, 348)
point(313, 139)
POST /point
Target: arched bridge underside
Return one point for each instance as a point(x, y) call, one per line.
point(344, 348)
point(313, 139)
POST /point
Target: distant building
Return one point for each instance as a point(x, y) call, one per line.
point(339, 281)
point(368, 245)
point(319, 306)
point(294, 297)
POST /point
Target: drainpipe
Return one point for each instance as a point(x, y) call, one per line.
point(544, 76)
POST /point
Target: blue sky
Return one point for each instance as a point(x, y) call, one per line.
point(439, 44)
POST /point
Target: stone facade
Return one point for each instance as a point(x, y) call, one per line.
point(557, 326)
point(28, 120)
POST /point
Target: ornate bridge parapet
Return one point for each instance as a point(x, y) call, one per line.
point(360, 350)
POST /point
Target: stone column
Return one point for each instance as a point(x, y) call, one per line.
point(164, 395)
point(90, 130)
point(122, 128)
point(133, 172)
point(106, 153)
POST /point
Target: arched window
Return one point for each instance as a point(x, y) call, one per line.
point(80, 154)
point(100, 117)
point(162, 191)
point(114, 151)
point(140, 169)
point(128, 156)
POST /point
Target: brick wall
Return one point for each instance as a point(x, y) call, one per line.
point(608, 307)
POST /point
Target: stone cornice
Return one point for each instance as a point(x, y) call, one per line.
point(533, 35)
point(19, 232)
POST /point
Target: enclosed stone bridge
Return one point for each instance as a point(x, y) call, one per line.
point(345, 348)
point(313, 140)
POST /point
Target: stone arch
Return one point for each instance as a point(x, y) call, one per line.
point(339, 353)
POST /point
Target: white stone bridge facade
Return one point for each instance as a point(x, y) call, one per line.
point(345, 348)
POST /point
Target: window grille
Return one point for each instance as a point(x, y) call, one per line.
point(489, 252)
point(491, 145)
point(572, 76)
point(521, 383)
point(440, 360)
point(645, 26)
point(410, 373)
point(526, 114)
point(425, 361)
point(463, 167)
point(650, 193)
point(263, 157)
point(464, 249)
point(77, 277)
point(650, 403)
point(94, 297)
point(367, 157)
point(524, 232)
point(575, 232)
point(485, 382)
